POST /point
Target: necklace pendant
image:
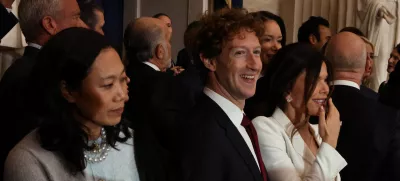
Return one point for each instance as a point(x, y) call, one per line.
point(96, 146)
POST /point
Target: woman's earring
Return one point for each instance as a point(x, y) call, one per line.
point(289, 98)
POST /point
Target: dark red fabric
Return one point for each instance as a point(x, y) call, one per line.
point(251, 131)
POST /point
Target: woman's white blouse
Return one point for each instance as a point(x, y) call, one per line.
point(287, 157)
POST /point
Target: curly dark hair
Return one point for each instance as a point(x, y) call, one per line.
point(220, 27)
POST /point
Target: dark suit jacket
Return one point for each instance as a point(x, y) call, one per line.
point(367, 92)
point(184, 59)
point(12, 110)
point(8, 21)
point(369, 136)
point(156, 102)
point(211, 147)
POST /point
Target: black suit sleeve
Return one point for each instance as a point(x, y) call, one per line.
point(392, 161)
point(8, 21)
point(199, 156)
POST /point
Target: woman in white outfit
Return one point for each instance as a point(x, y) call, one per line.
point(295, 88)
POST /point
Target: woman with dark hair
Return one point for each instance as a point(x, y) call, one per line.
point(92, 15)
point(274, 35)
point(390, 95)
point(80, 88)
point(392, 62)
point(295, 87)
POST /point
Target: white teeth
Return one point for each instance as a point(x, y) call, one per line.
point(248, 76)
point(320, 101)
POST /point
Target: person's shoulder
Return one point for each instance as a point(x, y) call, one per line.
point(385, 110)
point(21, 68)
point(263, 120)
point(203, 117)
point(29, 146)
point(267, 124)
point(201, 111)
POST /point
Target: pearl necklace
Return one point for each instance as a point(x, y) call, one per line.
point(100, 152)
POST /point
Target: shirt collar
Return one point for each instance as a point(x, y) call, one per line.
point(234, 113)
point(152, 65)
point(346, 83)
point(34, 45)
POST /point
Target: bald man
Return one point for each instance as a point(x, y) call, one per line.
point(153, 105)
point(147, 41)
point(369, 136)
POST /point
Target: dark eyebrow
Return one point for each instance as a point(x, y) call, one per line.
point(271, 36)
point(113, 76)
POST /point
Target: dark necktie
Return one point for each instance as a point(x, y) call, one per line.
point(251, 131)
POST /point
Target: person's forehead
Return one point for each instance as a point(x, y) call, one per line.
point(244, 39)
point(165, 19)
point(324, 29)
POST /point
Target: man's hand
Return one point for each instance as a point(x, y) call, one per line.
point(7, 3)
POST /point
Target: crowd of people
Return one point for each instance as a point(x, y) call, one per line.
point(238, 104)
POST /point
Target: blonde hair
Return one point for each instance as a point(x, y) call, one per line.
point(368, 42)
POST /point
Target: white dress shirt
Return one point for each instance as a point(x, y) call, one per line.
point(287, 157)
point(235, 114)
point(34, 45)
point(346, 83)
point(152, 66)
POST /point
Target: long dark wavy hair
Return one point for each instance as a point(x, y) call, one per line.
point(280, 76)
point(67, 57)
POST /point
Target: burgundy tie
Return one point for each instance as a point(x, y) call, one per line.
point(251, 131)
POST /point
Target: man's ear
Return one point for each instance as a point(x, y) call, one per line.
point(160, 52)
point(49, 25)
point(209, 63)
point(67, 94)
point(313, 40)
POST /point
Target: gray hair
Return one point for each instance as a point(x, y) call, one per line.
point(31, 13)
point(141, 40)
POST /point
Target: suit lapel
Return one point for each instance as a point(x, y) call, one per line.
point(297, 140)
point(302, 149)
point(238, 142)
point(235, 138)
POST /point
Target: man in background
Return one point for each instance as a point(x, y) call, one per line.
point(39, 21)
point(369, 138)
point(315, 31)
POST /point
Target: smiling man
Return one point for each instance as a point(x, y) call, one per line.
point(218, 142)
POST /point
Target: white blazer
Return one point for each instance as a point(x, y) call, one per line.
point(289, 159)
